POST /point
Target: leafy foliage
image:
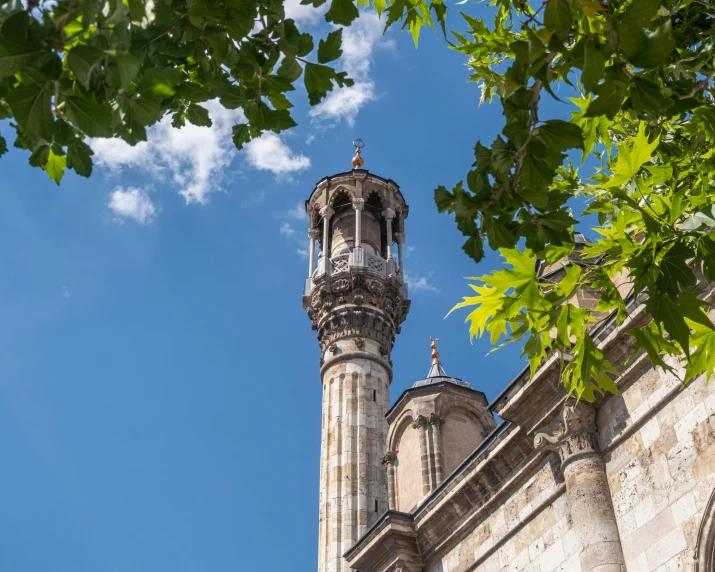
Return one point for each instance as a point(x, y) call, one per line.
point(74, 69)
point(643, 119)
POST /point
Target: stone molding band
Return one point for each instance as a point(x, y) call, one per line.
point(355, 355)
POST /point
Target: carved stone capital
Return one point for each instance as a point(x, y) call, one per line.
point(389, 458)
point(327, 211)
point(419, 421)
point(574, 435)
point(399, 237)
point(388, 214)
point(435, 419)
point(313, 233)
point(358, 204)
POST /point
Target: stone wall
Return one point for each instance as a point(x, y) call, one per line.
point(660, 443)
point(530, 531)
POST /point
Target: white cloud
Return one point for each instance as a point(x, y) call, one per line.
point(194, 156)
point(270, 153)
point(303, 253)
point(304, 14)
point(288, 230)
point(409, 250)
point(419, 283)
point(345, 103)
point(360, 40)
point(132, 203)
point(297, 212)
point(65, 292)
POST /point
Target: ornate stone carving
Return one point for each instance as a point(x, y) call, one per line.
point(327, 211)
point(333, 348)
point(435, 419)
point(359, 343)
point(573, 436)
point(313, 233)
point(389, 458)
point(419, 421)
point(399, 237)
point(356, 304)
point(388, 214)
point(358, 204)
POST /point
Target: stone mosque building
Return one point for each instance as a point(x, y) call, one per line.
point(434, 483)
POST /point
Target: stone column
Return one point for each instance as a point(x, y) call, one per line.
point(400, 239)
point(389, 461)
point(420, 423)
point(313, 233)
point(357, 256)
point(324, 263)
point(436, 421)
point(358, 205)
point(575, 438)
point(389, 214)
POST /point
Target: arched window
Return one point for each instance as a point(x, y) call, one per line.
point(704, 555)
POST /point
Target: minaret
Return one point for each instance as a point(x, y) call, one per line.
point(356, 299)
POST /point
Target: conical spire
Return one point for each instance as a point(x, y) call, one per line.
point(436, 370)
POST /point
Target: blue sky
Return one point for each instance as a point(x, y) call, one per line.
point(159, 388)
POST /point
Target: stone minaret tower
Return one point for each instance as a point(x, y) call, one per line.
point(356, 299)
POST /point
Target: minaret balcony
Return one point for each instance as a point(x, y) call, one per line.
point(354, 260)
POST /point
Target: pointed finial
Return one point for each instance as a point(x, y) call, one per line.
point(357, 159)
point(435, 353)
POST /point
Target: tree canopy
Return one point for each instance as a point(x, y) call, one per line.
point(636, 153)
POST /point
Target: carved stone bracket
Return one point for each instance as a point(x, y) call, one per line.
point(389, 458)
point(435, 419)
point(573, 436)
point(313, 233)
point(358, 204)
point(359, 343)
point(419, 421)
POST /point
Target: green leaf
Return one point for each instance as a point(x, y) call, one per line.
point(32, 109)
point(129, 66)
point(611, 94)
point(342, 12)
point(79, 158)
point(640, 12)
point(94, 119)
point(318, 81)
point(143, 110)
point(82, 60)
point(55, 165)
point(159, 83)
point(594, 66)
point(702, 359)
point(674, 272)
point(444, 199)
point(3, 146)
point(655, 345)
point(17, 50)
point(198, 115)
point(329, 49)
point(647, 96)
point(631, 160)
point(474, 248)
point(558, 18)
point(241, 135)
point(561, 135)
point(665, 312)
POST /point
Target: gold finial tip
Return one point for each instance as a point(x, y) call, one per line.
point(358, 161)
point(435, 353)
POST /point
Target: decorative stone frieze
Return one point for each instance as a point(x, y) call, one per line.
point(573, 436)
